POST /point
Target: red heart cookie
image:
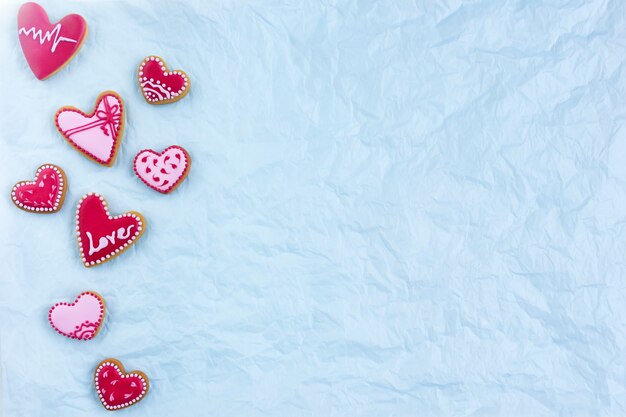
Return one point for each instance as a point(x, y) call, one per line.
point(102, 237)
point(116, 388)
point(44, 195)
point(97, 135)
point(160, 86)
point(48, 47)
point(162, 171)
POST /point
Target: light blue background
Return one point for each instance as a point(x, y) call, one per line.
point(396, 208)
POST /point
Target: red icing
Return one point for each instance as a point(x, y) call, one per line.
point(116, 389)
point(101, 236)
point(47, 47)
point(158, 84)
point(44, 194)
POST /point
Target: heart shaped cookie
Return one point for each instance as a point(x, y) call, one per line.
point(81, 319)
point(116, 388)
point(97, 135)
point(48, 47)
point(44, 195)
point(102, 237)
point(162, 171)
point(160, 86)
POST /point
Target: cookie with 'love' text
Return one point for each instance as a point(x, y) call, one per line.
point(101, 237)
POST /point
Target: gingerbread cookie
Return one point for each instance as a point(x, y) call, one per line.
point(102, 237)
point(81, 319)
point(48, 47)
point(163, 171)
point(160, 86)
point(118, 389)
point(97, 135)
point(44, 195)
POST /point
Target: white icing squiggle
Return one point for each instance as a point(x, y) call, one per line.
point(151, 87)
point(37, 35)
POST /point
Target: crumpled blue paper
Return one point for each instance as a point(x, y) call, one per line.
point(395, 208)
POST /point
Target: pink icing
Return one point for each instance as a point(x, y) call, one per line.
point(79, 320)
point(46, 46)
point(97, 134)
point(164, 171)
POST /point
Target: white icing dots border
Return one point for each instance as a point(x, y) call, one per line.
point(57, 200)
point(118, 250)
point(122, 375)
point(142, 79)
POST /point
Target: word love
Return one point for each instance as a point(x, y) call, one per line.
point(122, 234)
point(101, 236)
point(47, 47)
point(97, 135)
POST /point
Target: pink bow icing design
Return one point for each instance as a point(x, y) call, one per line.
point(108, 117)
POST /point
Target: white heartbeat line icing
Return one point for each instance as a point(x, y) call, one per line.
point(37, 35)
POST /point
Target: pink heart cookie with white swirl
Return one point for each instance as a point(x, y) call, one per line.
point(81, 319)
point(163, 171)
point(97, 135)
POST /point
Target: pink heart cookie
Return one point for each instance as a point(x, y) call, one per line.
point(97, 135)
point(48, 47)
point(81, 319)
point(163, 171)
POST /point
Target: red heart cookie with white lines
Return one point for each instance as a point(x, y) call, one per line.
point(101, 237)
point(48, 47)
point(78, 320)
point(162, 171)
point(44, 195)
point(116, 388)
point(97, 135)
point(158, 84)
